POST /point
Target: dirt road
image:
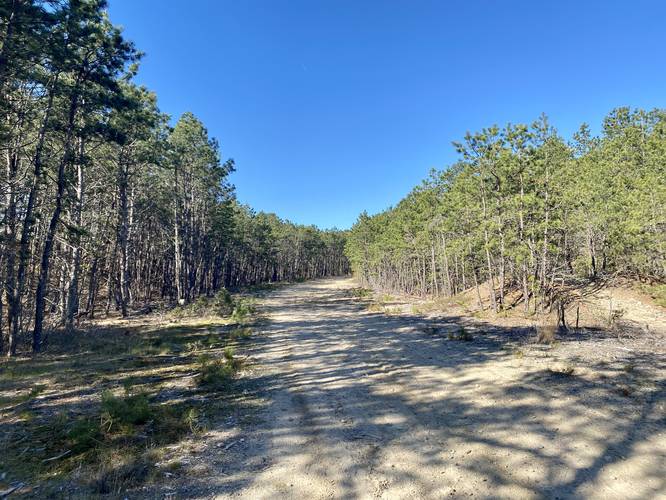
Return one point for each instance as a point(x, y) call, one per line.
point(365, 405)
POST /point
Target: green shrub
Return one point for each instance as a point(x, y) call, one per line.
point(243, 311)
point(221, 304)
point(129, 410)
point(170, 423)
point(84, 435)
point(214, 372)
point(192, 420)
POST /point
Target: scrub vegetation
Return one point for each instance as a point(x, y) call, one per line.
point(526, 220)
point(100, 410)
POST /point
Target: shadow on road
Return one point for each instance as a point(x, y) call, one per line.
point(366, 404)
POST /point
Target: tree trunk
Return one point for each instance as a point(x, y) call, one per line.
point(123, 238)
point(42, 283)
point(24, 252)
point(176, 242)
point(75, 264)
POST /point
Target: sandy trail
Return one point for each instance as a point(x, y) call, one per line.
point(363, 405)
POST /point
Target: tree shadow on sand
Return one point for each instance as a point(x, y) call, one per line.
point(367, 388)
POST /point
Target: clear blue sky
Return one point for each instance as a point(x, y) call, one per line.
point(331, 107)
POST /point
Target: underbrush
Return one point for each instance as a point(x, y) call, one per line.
point(108, 448)
point(240, 310)
point(361, 293)
point(657, 292)
point(243, 311)
point(220, 305)
point(216, 373)
point(99, 408)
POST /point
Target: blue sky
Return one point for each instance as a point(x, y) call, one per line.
point(331, 107)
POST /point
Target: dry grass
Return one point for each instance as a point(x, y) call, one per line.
point(97, 408)
point(657, 293)
point(546, 333)
point(374, 307)
point(361, 293)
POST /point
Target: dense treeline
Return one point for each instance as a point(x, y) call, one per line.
point(523, 211)
point(104, 205)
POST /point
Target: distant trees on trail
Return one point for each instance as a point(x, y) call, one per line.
point(525, 211)
point(104, 205)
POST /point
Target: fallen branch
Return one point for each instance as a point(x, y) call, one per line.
point(64, 454)
point(6, 493)
point(13, 407)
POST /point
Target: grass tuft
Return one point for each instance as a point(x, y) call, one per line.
point(129, 410)
point(562, 371)
point(111, 403)
point(461, 334)
point(243, 311)
point(361, 293)
point(214, 373)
